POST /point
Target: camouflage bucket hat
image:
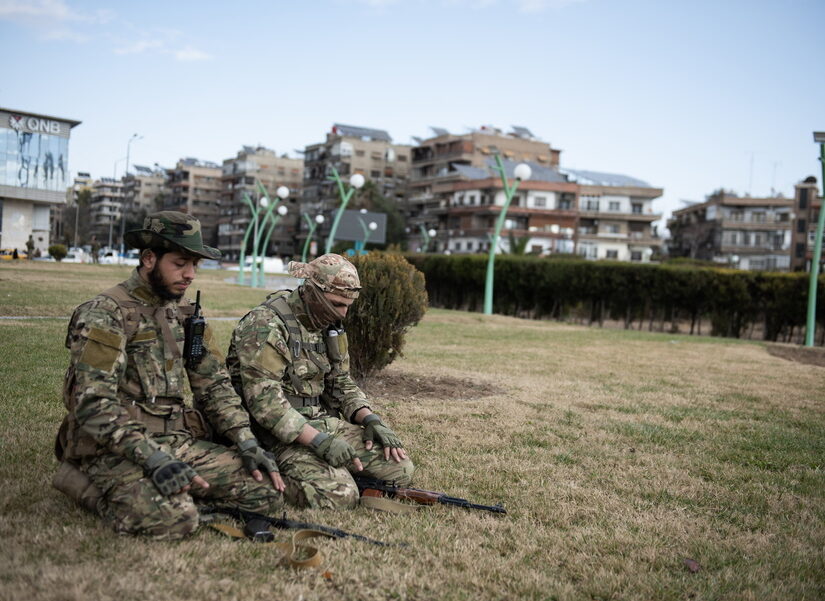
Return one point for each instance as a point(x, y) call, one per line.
point(173, 231)
point(331, 273)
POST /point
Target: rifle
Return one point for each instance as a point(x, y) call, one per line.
point(370, 487)
point(256, 525)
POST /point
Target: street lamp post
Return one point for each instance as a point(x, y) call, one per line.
point(134, 138)
point(810, 330)
point(426, 235)
point(255, 228)
point(355, 182)
point(522, 172)
point(311, 225)
point(283, 193)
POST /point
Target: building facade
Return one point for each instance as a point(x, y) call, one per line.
point(350, 150)
point(239, 177)
point(615, 216)
point(106, 211)
point(34, 175)
point(194, 187)
point(144, 190)
point(456, 190)
point(805, 220)
point(743, 232)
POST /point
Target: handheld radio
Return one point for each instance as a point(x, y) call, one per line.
point(193, 328)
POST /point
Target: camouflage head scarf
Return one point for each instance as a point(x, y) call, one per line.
point(330, 273)
point(174, 231)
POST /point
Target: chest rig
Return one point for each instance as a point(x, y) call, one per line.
point(166, 414)
point(325, 354)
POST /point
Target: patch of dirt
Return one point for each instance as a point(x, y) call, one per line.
point(812, 355)
point(400, 385)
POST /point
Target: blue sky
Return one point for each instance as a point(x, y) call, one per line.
point(689, 96)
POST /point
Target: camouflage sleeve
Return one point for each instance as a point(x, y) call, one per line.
point(214, 395)
point(97, 345)
point(340, 390)
point(259, 347)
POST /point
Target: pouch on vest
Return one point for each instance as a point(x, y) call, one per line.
point(196, 423)
point(76, 485)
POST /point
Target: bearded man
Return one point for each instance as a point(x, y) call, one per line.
point(142, 393)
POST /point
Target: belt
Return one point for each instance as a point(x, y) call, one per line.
point(298, 402)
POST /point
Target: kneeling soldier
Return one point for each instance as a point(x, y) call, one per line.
point(129, 445)
point(288, 360)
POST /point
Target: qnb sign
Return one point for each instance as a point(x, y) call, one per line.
point(34, 124)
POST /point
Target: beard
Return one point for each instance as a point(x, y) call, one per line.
point(159, 287)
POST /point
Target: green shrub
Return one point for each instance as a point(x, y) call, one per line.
point(58, 251)
point(734, 301)
point(393, 298)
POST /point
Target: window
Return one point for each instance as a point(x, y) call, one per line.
point(402, 158)
point(564, 204)
point(359, 153)
point(375, 174)
point(614, 205)
point(591, 205)
point(635, 255)
point(637, 208)
point(612, 228)
point(540, 202)
point(800, 250)
point(803, 199)
point(612, 254)
point(801, 226)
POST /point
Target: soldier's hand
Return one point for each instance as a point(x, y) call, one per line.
point(336, 452)
point(376, 432)
point(254, 457)
point(170, 475)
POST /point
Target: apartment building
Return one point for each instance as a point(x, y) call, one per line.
point(805, 220)
point(615, 216)
point(238, 177)
point(743, 232)
point(464, 210)
point(194, 187)
point(144, 190)
point(350, 149)
point(436, 162)
point(106, 210)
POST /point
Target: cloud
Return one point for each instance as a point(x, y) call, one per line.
point(52, 19)
point(537, 6)
point(139, 47)
point(191, 54)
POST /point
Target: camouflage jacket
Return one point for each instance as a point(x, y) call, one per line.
point(111, 372)
point(265, 372)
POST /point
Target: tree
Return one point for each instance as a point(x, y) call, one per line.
point(518, 246)
point(79, 213)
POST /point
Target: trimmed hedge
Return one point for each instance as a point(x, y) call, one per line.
point(393, 298)
point(732, 300)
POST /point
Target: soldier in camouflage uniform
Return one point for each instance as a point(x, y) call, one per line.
point(288, 360)
point(128, 445)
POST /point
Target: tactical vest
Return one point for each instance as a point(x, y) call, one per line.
point(72, 444)
point(326, 355)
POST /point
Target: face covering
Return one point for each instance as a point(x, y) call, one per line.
point(320, 311)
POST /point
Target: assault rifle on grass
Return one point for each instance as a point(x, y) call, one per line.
point(256, 525)
point(370, 487)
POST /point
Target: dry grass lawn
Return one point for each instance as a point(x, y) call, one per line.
point(619, 455)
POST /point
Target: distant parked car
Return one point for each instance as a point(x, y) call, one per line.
point(209, 264)
point(108, 257)
point(132, 257)
point(7, 254)
point(74, 256)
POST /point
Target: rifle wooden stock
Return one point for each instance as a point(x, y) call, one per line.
point(370, 487)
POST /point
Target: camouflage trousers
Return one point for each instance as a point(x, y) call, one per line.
point(133, 505)
point(312, 482)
